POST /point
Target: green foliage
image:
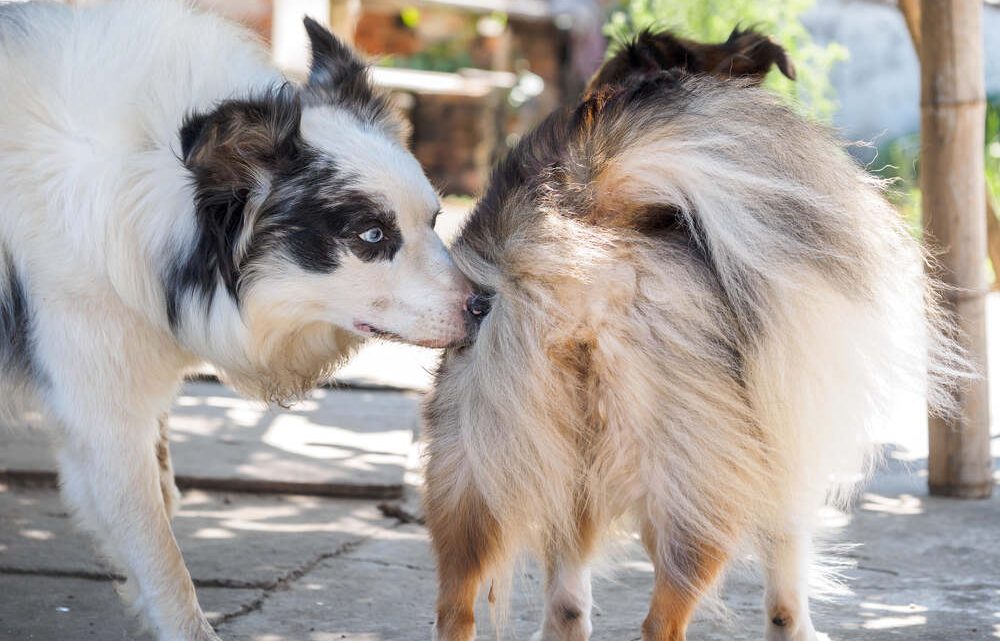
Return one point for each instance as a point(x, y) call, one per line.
point(993, 148)
point(447, 56)
point(410, 16)
point(897, 160)
point(713, 20)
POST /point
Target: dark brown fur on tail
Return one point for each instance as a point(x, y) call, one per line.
point(745, 54)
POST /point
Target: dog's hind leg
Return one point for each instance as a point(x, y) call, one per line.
point(786, 602)
point(681, 576)
point(568, 598)
point(468, 543)
point(168, 487)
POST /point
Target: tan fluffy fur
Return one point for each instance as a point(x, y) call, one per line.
point(701, 307)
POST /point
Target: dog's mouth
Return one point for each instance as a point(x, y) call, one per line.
point(367, 329)
point(370, 330)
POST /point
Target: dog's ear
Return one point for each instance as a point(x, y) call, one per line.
point(232, 144)
point(338, 76)
point(745, 54)
point(231, 152)
point(335, 71)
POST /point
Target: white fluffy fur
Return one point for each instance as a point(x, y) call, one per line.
point(94, 204)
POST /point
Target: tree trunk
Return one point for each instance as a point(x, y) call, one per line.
point(953, 111)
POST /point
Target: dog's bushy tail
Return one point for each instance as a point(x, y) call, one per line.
point(841, 329)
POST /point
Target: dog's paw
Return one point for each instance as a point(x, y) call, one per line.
point(776, 632)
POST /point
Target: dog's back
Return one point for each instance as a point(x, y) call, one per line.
point(93, 97)
point(92, 103)
point(722, 269)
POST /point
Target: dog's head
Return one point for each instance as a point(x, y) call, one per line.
point(312, 215)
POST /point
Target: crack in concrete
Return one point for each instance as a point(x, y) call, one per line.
point(268, 588)
point(868, 568)
point(109, 577)
point(64, 574)
point(286, 580)
point(234, 584)
point(387, 564)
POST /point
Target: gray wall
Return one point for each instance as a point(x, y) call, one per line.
point(878, 88)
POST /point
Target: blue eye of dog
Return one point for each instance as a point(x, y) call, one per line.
point(373, 235)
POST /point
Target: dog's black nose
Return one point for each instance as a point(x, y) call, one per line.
point(477, 307)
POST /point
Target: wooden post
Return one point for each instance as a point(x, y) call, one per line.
point(911, 15)
point(953, 111)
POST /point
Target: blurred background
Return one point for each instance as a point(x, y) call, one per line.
point(473, 75)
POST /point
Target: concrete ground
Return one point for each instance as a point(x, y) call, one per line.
point(302, 568)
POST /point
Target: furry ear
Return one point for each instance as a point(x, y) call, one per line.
point(335, 70)
point(241, 137)
point(230, 151)
point(337, 75)
point(745, 54)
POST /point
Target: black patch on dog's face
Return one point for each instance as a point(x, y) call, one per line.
point(315, 213)
point(228, 151)
point(15, 324)
point(261, 190)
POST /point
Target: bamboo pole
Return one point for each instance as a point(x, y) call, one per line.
point(953, 110)
point(911, 15)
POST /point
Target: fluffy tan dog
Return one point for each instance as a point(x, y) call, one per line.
point(695, 307)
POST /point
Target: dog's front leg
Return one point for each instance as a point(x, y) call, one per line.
point(168, 487)
point(105, 387)
point(111, 479)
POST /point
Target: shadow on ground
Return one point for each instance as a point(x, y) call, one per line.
point(283, 568)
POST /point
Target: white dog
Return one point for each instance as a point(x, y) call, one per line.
point(167, 197)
